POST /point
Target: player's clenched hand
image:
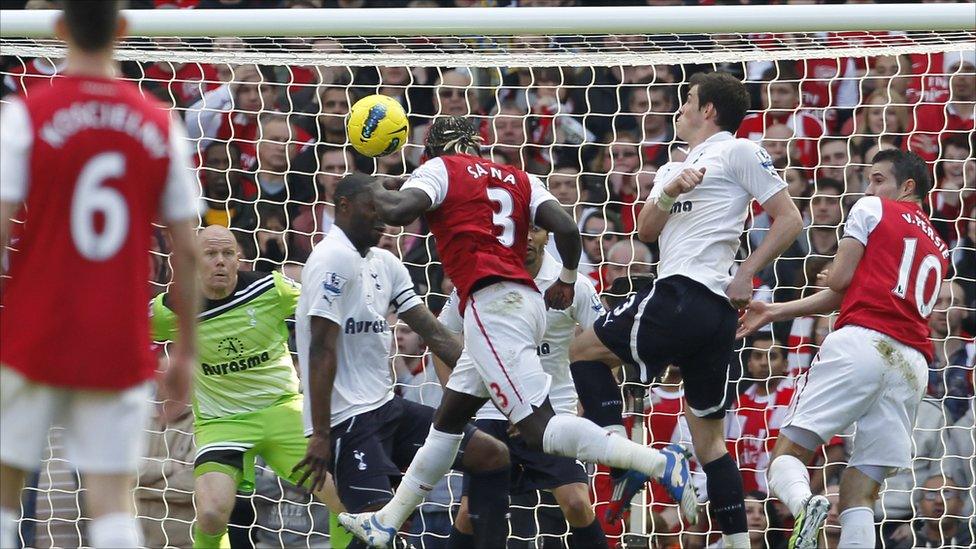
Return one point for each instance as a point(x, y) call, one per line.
point(174, 385)
point(739, 291)
point(757, 315)
point(560, 295)
point(316, 462)
point(688, 179)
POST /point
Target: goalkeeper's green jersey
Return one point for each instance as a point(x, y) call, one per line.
point(242, 341)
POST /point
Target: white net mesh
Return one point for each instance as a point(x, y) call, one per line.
point(594, 115)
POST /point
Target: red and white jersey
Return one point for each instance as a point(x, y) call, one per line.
point(480, 215)
point(800, 344)
point(95, 163)
point(896, 284)
point(807, 130)
point(22, 78)
point(935, 122)
point(931, 81)
point(752, 428)
point(187, 83)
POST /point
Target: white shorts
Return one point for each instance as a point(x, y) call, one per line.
point(503, 325)
point(104, 431)
point(868, 379)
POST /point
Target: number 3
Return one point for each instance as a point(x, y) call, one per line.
point(499, 395)
point(929, 263)
point(91, 197)
point(503, 218)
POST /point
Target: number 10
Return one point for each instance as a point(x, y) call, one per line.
point(929, 263)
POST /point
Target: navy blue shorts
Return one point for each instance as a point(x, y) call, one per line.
point(680, 322)
point(531, 470)
point(372, 449)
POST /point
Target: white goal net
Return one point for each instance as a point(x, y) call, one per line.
point(592, 112)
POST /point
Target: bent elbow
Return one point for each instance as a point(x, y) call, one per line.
point(647, 234)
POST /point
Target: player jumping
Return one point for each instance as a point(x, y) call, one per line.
point(480, 212)
point(872, 370)
point(95, 163)
point(696, 210)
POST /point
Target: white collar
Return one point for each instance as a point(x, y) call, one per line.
point(338, 234)
point(714, 138)
point(549, 270)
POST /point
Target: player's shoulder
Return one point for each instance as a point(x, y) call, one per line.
point(869, 207)
point(386, 257)
point(255, 282)
point(743, 146)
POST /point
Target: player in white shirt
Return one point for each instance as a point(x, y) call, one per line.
point(358, 430)
point(697, 210)
point(565, 477)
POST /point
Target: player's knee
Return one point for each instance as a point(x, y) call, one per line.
point(212, 519)
point(485, 453)
point(577, 509)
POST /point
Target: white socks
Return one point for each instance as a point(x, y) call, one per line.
point(789, 480)
point(857, 528)
point(115, 530)
point(575, 437)
point(736, 541)
point(432, 462)
point(9, 537)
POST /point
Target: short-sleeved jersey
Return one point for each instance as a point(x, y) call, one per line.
point(560, 329)
point(242, 339)
point(701, 236)
point(95, 163)
point(356, 293)
point(752, 429)
point(897, 281)
point(480, 215)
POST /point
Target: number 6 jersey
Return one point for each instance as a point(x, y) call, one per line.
point(480, 215)
point(896, 284)
point(95, 163)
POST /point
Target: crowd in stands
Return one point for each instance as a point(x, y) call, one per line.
point(271, 147)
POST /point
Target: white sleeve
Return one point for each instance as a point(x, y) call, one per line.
point(431, 177)
point(403, 297)
point(450, 316)
point(181, 197)
point(864, 217)
point(539, 194)
point(329, 288)
point(587, 307)
point(753, 170)
point(16, 138)
point(203, 118)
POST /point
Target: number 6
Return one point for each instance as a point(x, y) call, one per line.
point(89, 198)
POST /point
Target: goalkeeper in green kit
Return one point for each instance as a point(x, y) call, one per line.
point(246, 402)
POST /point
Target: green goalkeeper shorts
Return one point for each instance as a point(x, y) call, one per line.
point(230, 444)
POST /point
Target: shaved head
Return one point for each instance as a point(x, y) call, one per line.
point(218, 271)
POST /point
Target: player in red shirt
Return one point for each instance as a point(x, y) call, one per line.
point(872, 370)
point(94, 163)
point(480, 213)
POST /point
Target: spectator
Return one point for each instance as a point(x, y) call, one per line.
point(509, 139)
point(628, 180)
point(551, 116)
point(275, 152)
point(314, 220)
point(939, 502)
point(565, 184)
point(825, 218)
point(888, 121)
point(954, 185)
point(831, 531)
point(226, 195)
point(185, 83)
point(780, 98)
point(230, 112)
point(801, 349)
point(778, 143)
point(325, 118)
point(453, 96)
point(21, 77)
point(964, 261)
point(951, 370)
point(600, 230)
point(888, 72)
point(625, 258)
point(654, 107)
point(936, 121)
point(837, 163)
point(760, 410)
point(416, 377)
point(765, 531)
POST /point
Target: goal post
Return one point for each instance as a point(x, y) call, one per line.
point(586, 98)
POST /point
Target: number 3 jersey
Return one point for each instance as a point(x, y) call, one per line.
point(95, 163)
point(480, 214)
point(896, 284)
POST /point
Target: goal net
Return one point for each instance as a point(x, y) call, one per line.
point(588, 102)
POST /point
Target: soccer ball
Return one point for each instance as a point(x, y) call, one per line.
point(377, 126)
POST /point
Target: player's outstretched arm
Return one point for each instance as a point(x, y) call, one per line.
point(442, 342)
point(552, 217)
point(399, 207)
point(321, 378)
point(787, 224)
